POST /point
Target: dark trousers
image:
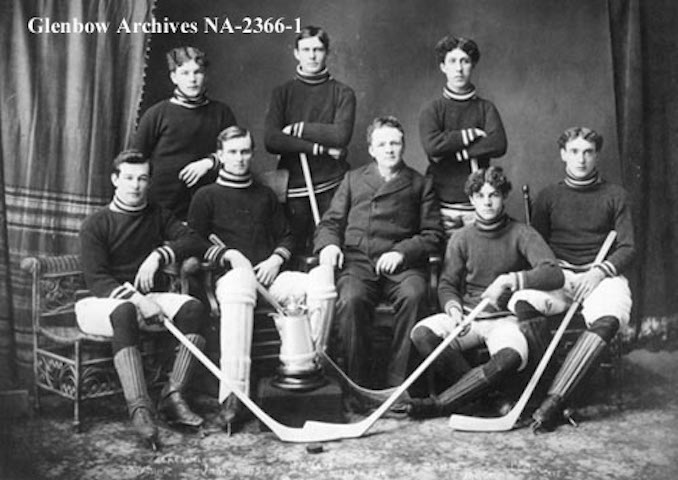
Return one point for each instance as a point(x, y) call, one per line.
point(360, 289)
point(302, 224)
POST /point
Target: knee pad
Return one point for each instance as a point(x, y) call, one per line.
point(524, 310)
point(424, 339)
point(125, 326)
point(605, 327)
point(505, 361)
point(191, 317)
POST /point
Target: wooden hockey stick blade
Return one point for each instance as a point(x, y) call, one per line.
point(508, 421)
point(283, 432)
point(321, 431)
point(360, 428)
point(365, 393)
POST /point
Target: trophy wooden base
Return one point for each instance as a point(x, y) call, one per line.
point(293, 408)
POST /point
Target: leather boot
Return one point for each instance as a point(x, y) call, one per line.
point(576, 364)
point(232, 414)
point(172, 403)
point(128, 364)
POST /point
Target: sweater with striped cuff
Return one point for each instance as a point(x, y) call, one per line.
point(245, 215)
point(173, 136)
point(575, 220)
point(114, 244)
point(475, 256)
point(322, 115)
point(446, 129)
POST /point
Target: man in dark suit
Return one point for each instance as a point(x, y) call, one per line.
point(381, 227)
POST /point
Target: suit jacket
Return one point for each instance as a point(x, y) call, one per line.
point(373, 217)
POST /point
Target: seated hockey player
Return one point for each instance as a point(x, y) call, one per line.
point(122, 248)
point(256, 242)
point(574, 216)
point(490, 258)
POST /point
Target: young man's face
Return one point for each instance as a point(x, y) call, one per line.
point(488, 202)
point(580, 157)
point(235, 155)
point(386, 147)
point(131, 184)
point(311, 55)
point(457, 67)
point(189, 78)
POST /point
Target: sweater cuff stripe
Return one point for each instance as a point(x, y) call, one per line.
point(167, 255)
point(464, 153)
point(471, 135)
point(464, 137)
point(283, 252)
point(122, 292)
point(214, 254)
point(459, 157)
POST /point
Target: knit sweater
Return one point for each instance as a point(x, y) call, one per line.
point(327, 111)
point(475, 258)
point(248, 219)
point(173, 136)
point(445, 129)
point(575, 222)
point(114, 244)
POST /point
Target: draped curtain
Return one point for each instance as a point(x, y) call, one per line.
point(645, 64)
point(68, 105)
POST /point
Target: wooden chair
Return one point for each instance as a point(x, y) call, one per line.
point(67, 362)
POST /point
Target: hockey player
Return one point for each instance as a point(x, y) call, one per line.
point(122, 248)
point(249, 220)
point(311, 115)
point(460, 132)
point(574, 216)
point(490, 258)
point(178, 134)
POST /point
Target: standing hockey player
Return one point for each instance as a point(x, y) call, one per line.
point(460, 132)
point(310, 119)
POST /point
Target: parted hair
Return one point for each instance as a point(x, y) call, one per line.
point(586, 133)
point(312, 31)
point(132, 156)
point(449, 43)
point(492, 175)
point(180, 55)
point(384, 121)
point(234, 131)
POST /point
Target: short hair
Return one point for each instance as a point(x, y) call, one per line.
point(312, 31)
point(180, 55)
point(449, 43)
point(492, 175)
point(132, 156)
point(384, 121)
point(586, 133)
point(234, 131)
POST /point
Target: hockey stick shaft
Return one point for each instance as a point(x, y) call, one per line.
point(260, 288)
point(360, 428)
point(344, 379)
point(463, 422)
point(306, 170)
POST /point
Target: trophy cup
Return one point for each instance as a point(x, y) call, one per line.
point(308, 303)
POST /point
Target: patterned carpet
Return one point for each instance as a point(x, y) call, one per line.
point(638, 442)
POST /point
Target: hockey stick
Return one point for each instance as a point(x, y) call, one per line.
point(508, 421)
point(260, 288)
point(313, 431)
point(309, 186)
point(365, 393)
